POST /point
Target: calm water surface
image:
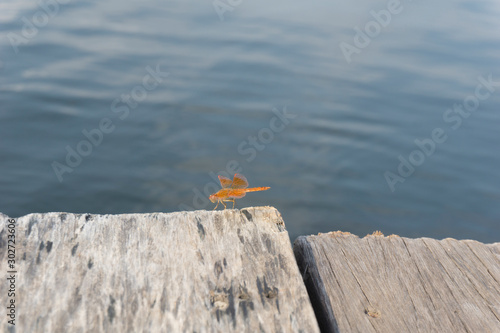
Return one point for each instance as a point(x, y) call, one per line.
point(355, 102)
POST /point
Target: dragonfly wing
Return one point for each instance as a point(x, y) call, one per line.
point(225, 182)
point(239, 181)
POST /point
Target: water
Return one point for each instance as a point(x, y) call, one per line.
point(88, 66)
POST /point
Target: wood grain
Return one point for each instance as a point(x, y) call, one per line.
point(396, 284)
point(222, 271)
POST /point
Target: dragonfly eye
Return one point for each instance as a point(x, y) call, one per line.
point(212, 198)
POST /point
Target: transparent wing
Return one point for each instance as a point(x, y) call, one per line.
point(239, 181)
point(225, 182)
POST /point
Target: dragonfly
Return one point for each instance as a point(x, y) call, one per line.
point(233, 189)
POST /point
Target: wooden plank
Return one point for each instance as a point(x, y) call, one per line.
point(395, 284)
point(222, 271)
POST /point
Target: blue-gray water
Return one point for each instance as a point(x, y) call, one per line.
point(350, 116)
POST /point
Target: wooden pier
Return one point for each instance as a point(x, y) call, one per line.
point(236, 271)
point(397, 284)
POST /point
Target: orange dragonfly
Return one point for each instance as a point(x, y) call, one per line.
point(233, 189)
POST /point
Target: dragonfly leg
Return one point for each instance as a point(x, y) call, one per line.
point(233, 203)
point(224, 204)
point(216, 205)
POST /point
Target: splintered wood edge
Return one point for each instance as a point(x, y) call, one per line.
point(345, 234)
point(337, 233)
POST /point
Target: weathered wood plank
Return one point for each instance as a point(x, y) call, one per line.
point(222, 271)
point(395, 284)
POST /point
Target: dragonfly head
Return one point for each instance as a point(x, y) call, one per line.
point(212, 198)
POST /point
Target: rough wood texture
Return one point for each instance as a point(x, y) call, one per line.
point(222, 271)
point(395, 284)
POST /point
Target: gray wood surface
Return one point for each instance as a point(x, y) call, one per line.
point(396, 284)
point(222, 271)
